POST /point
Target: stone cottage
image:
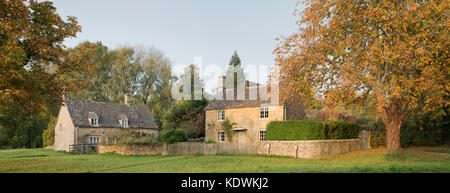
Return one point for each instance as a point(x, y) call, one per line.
point(251, 107)
point(89, 122)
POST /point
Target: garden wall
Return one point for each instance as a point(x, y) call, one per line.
point(131, 149)
point(308, 148)
point(299, 149)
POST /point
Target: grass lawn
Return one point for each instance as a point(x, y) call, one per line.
point(418, 159)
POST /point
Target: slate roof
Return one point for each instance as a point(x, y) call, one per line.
point(226, 104)
point(139, 116)
point(230, 103)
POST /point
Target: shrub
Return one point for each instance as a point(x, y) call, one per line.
point(143, 141)
point(200, 139)
point(48, 136)
point(210, 141)
point(311, 130)
point(127, 137)
point(228, 126)
point(415, 131)
point(186, 114)
point(174, 135)
point(295, 130)
point(377, 138)
point(342, 130)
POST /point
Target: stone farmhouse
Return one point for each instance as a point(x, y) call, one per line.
point(250, 113)
point(88, 122)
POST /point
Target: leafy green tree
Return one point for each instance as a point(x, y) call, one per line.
point(188, 115)
point(31, 42)
point(106, 75)
point(156, 83)
point(31, 68)
point(93, 69)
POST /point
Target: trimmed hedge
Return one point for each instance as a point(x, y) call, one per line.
point(174, 135)
point(342, 130)
point(295, 130)
point(311, 130)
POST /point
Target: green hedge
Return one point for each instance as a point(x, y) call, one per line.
point(295, 130)
point(342, 130)
point(174, 135)
point(311, 130)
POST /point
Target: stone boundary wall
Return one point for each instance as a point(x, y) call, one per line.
point(308, 148)
point(131, 149)
point(298, 149)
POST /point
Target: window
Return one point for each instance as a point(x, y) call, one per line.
point(220, 115)
point(94, 121)
point(264, 112)
point(93, 118)
point(123, 120)
point(94, 140)
point(221, 136)
point(262, 135)
point(124, 123)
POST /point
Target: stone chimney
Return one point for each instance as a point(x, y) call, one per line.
point(247, 84)
point(221, 87)
point(126, 99)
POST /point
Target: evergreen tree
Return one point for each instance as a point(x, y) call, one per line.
point(235, 72)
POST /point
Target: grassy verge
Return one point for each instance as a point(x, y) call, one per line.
point(43, 160)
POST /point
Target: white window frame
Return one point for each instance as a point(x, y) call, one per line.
point(94, 140)
point(124, 123)
point(264, 112)
point(221, 115)
point(94, 122)
point(262, 135)
point(221, 136)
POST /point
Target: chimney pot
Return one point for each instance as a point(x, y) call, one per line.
point(125, 98)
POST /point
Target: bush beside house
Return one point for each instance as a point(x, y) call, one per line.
point(342, 130)
point(174, 135)
point(311, 130)
point(415, 131)
point(295, 130)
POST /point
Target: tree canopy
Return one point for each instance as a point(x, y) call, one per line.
point(31, 68)
point(31, 46)
point(389, 55)
point(106, 75)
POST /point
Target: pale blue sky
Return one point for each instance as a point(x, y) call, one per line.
point(182, 29)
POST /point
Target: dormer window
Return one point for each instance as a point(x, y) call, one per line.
point(123, 120)
point(94, 122)
point(125, 123)
point(93, 119)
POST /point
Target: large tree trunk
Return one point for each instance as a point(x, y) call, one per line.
point(393, 117)
point(393, 135)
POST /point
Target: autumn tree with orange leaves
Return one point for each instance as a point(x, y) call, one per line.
point(31, 53)
point(388, 55)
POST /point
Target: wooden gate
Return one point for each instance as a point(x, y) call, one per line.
point(82, 148)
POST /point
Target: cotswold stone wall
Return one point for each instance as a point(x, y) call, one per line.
point(298, 149)
point(308, 148)
point(131, 149)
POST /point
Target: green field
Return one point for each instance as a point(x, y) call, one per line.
point(426, 159)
